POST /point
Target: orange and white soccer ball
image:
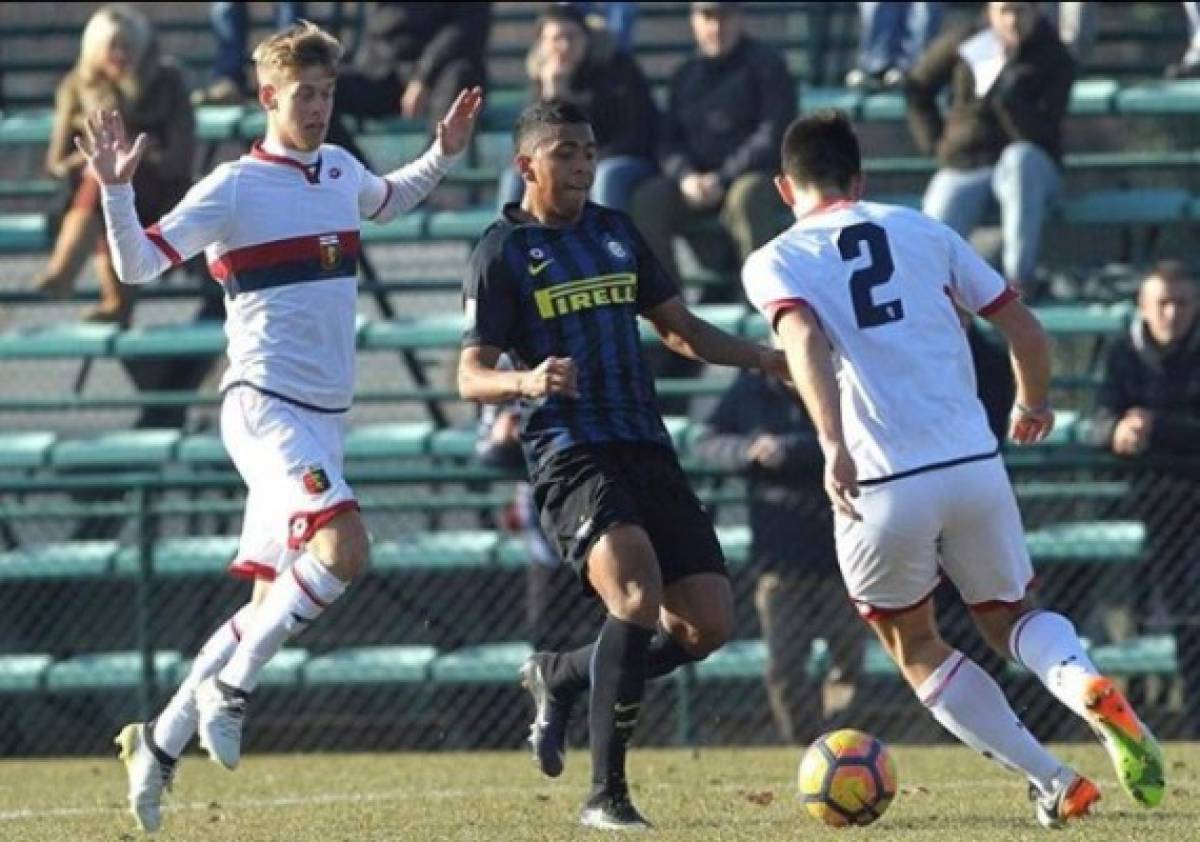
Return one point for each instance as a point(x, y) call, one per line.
point(846, 778)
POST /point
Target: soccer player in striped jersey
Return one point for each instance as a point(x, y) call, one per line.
point(280, 230)
point(557, 283)
point(863, 296)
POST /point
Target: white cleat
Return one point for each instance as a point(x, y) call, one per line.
point(148, 777)
point(219, 722)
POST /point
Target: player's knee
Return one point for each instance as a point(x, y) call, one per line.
point(636, 602)
point(916, 647)
point(343, 546)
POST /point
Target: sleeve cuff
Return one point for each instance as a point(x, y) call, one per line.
point(999, 301)
point(776, 310)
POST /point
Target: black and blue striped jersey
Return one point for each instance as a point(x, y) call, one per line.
point(536, 291)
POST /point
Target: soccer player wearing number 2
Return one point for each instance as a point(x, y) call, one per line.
point(280, 229)
point(863, 297)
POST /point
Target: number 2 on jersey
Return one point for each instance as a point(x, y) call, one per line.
point(850, 244)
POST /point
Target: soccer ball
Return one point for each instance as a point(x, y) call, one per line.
point(847, 778)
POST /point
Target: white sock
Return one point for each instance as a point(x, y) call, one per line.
point(971, 706)
point(296, 598)
point(176, 725)
point(1047, 645)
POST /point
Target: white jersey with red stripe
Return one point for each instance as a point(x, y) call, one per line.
point(882, 281)
point(282, 238)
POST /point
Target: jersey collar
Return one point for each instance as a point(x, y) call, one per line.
point(311, 171)
point(827, 206)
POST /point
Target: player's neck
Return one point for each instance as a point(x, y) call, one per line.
point(546, 215)
point(273, 145)
point(818, 202)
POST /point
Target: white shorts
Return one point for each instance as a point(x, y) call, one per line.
point(962, 519)
point(291, 459)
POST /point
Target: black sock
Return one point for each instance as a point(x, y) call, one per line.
point(665, 654)
point(619, 669)
point(570, 671)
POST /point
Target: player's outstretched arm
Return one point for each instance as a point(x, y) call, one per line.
point(1032, 417)
point(690, 336)
point(480, 380)
point(403, 189)
point(811, 363)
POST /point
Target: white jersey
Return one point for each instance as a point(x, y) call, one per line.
point(281, 235)
point(883, 281)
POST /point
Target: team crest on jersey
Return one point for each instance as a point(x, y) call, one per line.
point(617, 250)
point(536, 253)
point(331, 251)
point(315, 480)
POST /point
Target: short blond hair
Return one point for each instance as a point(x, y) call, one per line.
point(302, 45)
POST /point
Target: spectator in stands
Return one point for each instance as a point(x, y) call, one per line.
point(1189, 65)
point(231, 28)
point(760, 429)
point(413, 61)
point(891, 39)
point(119, 68)
point(568, 61)
point(1148, 411)
point(726, 112)
point(1001, 137)
point(558, 614)
point(617, 20)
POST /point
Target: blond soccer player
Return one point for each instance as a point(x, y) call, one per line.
point(280, 231)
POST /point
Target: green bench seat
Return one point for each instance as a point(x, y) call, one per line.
point(25, 450)
point(190, 556)
point(203, 338)
point(1121, 207)
point(1154, 654)
point(59, 560)
point(487, 663)
point(1106, 542)
point(389, 441)
point(117, 449)
point(1159, 97)
point(23, 673)
point(370, 665)
point(110, 671)
point(70, 340)
point(450, 550)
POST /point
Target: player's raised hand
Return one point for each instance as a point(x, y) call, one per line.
point(555, 376)
point(111, 158)
point(454, 130)
point(1029, 425)
point(841, 482)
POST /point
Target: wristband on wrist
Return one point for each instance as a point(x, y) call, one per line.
point(1032, 410)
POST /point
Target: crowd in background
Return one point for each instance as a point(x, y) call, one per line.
point(987, 101)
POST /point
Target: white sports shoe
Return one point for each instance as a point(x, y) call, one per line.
point(219, 722)
point(147, 776)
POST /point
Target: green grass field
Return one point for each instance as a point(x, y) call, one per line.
point(947, 793)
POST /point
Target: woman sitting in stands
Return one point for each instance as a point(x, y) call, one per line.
point(119, 67)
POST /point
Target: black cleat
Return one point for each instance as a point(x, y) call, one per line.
point(612, 811)
point(548, 731)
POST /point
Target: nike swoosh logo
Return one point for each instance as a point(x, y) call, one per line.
point(535, 269)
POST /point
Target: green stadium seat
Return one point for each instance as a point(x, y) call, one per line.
point(1093, 96)
point(58, 340)
point(191, 556)
point(1154, 654)
point(110, 670)
point(436, 551)
point(27, 126)
point(1071, 490)
point(253, 123)
point(22, 673)
point(466, 224)
point(36, 188)
point(511, 553)
point(438, 331)
point(904, 165)
point(370, 665)
point(886, 106)
point(59, 560)
point(118, 449)
point(202, 449)
point(200, 338)
point(405, 228)
point(815, 98)
point(680, 428)
point(503, 107)
point(23, 232)
point(1100, 541)
point(285, 669)
point(219, 122)
point(736, 660)
point(389, 441)
point(456, 443)
point(487, 662)
point(1084, 319)
point(1118, 207)
point(25, 450)
point(1160, 97)
point(735, 541)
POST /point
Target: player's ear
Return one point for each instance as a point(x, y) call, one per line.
point(268, 96)
point(524, 165)
point(786, 193)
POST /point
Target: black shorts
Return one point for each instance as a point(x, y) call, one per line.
point(585, 491)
